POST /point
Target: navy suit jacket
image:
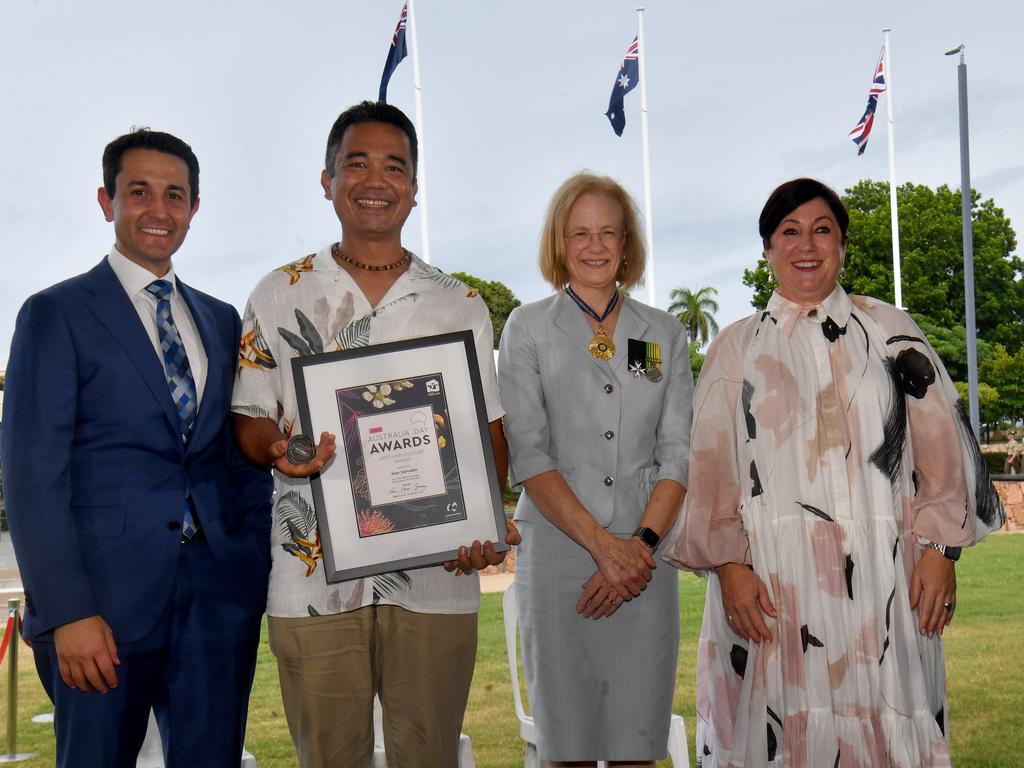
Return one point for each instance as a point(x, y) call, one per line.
point(95, 471)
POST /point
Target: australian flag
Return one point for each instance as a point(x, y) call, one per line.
point(396, 54)
point(862, 130)
point(625, 81)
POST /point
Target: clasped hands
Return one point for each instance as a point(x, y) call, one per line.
point(624, 566)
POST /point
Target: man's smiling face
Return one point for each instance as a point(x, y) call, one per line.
point(150, 207)
point(373, 188)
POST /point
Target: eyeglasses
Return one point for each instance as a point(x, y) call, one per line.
point(607, 237)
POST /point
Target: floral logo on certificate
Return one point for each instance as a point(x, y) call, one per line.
point(400, 454)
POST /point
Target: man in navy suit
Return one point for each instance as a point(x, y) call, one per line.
point(142, 534)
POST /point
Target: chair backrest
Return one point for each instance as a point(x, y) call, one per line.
point(510, 608)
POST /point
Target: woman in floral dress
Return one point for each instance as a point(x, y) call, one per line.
point(833, 479)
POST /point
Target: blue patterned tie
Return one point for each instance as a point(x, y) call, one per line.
point(179, 378)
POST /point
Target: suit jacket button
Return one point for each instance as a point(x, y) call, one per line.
point(608, 481)
point(609, 388)
point(609, 435)
point(174, 525)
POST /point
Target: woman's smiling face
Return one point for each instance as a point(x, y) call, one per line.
point(806, 252)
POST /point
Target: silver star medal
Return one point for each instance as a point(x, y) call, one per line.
point(637, 369)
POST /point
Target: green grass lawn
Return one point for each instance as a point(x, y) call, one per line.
point(984, 653)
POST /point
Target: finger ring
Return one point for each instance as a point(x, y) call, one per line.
point(948, 606)
point(611, 599)
point(728, 617)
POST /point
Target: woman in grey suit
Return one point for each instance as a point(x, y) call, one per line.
point(597, 391)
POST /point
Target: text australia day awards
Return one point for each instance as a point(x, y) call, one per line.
point(402, 459)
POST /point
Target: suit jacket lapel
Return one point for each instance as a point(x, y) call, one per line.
point(107, 300)
point(573, 322)
point(210, 405)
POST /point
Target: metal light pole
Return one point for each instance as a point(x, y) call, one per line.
point(966, 206)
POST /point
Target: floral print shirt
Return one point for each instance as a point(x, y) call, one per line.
point(310, 306)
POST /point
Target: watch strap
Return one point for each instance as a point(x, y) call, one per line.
point(951, 553)
point(648, 536)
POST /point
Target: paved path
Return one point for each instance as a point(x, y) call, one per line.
point(499, 582)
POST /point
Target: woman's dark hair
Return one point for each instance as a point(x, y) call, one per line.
point(791, 195)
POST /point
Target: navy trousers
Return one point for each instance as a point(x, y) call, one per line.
point(194, 669)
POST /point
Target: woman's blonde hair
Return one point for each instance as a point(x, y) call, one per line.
point(552, 238)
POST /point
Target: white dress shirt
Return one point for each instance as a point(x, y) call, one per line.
point(134, 280)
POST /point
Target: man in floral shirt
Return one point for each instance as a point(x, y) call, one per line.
point(409, 636)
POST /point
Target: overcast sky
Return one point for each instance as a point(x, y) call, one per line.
point(742, 96)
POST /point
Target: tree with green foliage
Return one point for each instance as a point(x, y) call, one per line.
point(988, 400)
point(696, 310)
point(696, 359)
point(1005, 373)
point(497, 296)
point(951, 346)
point(932, 260)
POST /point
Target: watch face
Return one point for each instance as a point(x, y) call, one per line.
point(648, 537)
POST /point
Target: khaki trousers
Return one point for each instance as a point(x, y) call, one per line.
point(419, 664)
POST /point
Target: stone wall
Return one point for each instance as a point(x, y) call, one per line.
point(1012, 494)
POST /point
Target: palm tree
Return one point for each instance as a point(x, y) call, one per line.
point(696, 310)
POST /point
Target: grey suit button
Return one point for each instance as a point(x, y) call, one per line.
point(608, 481)
point(609, 388)
point(609, 435)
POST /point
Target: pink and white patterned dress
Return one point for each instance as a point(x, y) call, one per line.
point(828, 445)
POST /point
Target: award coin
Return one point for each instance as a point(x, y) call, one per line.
point(300, 449)
point(602, 347)
point(653, 374)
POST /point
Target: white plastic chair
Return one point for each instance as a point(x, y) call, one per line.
point(152, 753)
point(527, 730)
point(380, 760)
point(677, 746)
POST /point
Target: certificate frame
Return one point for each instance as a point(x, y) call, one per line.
point(400, 493)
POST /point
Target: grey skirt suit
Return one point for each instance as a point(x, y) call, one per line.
point(599, 689)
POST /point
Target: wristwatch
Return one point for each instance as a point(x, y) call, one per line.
point(953, 553)
point(648, 537)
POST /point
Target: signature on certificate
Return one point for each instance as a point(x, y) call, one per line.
point(402, 490)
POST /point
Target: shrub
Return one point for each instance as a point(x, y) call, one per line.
point(996, 461)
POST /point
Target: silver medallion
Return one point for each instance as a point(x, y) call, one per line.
point(301, 449)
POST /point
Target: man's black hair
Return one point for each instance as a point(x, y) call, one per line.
point(370, 112)
point(143, 138)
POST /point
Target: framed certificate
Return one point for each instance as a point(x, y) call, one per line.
point(413, 478)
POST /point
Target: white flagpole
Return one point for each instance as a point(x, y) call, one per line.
point(421, 175)
point(897, 278)
point(641, 55)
